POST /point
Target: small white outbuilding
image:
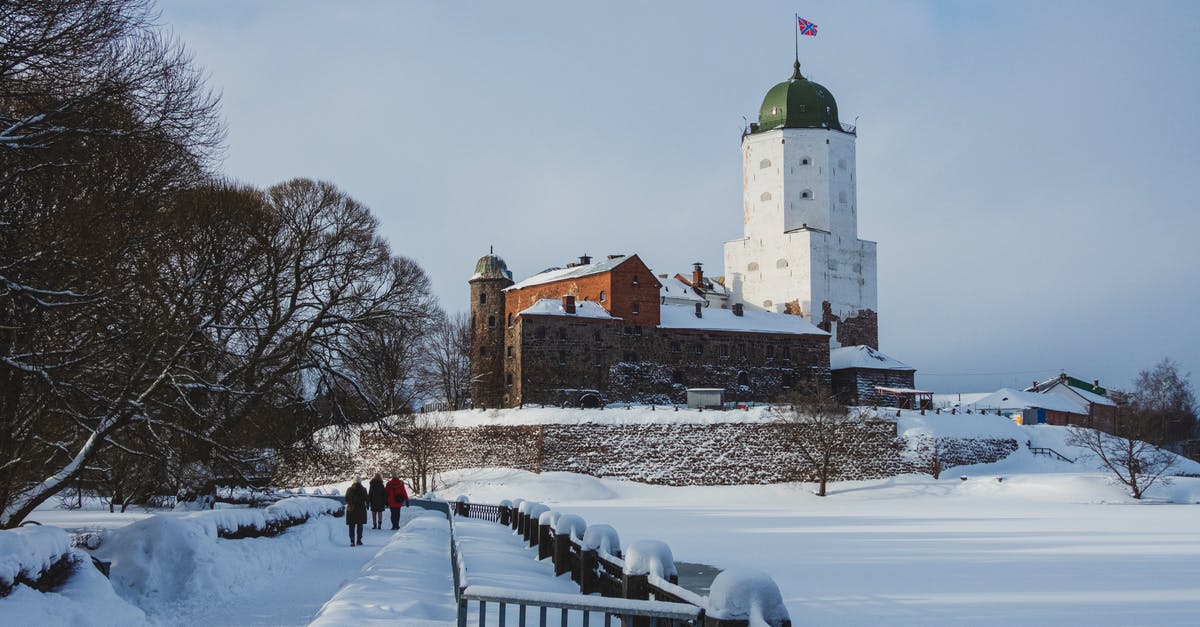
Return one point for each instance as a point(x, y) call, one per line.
point(706, 398)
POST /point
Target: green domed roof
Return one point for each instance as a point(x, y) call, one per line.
point(798, 103)
point(490, 266)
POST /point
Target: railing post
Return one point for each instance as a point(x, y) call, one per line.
point(562, 553)
point(546, 544)
point(587, 571)
point(534, 531)
point(505, 514)
point(635, 587)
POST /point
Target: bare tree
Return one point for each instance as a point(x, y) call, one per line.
point(447, 369)
point(1165, 395)
point(823, 432)
point(1128, 454)
point(423, 440)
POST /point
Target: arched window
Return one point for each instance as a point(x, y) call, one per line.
point(508, 379)
point(483, 298)
point(764, 164)
point(491, 322)
point(603, 296)
point(753, 267)
point(782, 263)
point(635, 280)
point(765, 196)
point(806, 194)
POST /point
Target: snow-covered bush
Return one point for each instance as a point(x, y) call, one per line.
point(570, 525)
point(650, 557)
point(26, 553)
point(603, 539)
point(749, 595)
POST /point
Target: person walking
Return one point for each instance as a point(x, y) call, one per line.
point(356, 510)
point(379, 500)
point(397, 498)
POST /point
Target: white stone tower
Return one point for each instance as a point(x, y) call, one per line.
point(800, 253)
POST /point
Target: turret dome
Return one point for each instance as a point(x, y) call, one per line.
point(798, 103)
point(491, 266)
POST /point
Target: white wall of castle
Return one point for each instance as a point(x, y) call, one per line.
point(801, 226)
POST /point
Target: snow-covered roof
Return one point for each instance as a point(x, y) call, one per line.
point(713, 319)
point(863, 357)
point(1071, 392)
point(1008, 398)
point(553, 307)
point(888, 390)
point(558, 274)
point(675, 289)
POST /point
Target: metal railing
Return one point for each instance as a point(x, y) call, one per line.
point(1049, 452)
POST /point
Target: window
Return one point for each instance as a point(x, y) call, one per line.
point(509, 350)
point(752, 267)
point(806, 194)
point(562, 335)
point(510, 320)
point(491, 322)
point(805, 161)
point(770, 351)
point(596, 337)
point(765, 196)
point(842, 163)
point(482, 351)
point(725, 351)
point(603, 296)
point(635, 280)
point(508, 379)
point(562, 358)
point(482, 298)
point(782, 263)
point(842, 197)
point(787, 353)
point(787, 380)
point(802, 108)
point(743, 379)
point(635, 309)
point(742, 350)
point(676, 347)
point(768, 304)
point(699, 350)
point(764, 164)
point(637, 331)
point(596, 358)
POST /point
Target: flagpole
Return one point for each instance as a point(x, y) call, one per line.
point(796, 35)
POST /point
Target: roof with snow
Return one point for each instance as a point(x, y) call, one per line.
point(1068, 390)
point(863, 357)
point(675, 289)
point(1008, 398)
point(712, 319)
point(574, 272)
point(553, 307)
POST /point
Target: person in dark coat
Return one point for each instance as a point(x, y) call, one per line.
point(356, 510)
point(379, 500)
point(397, 498)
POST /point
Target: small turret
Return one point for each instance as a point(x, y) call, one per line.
point(488, 326)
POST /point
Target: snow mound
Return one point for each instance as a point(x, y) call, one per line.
point(602, 538)
point(86, 599)
point(570, 524)
point(650, 557)
point(749, 595)
point(30, 550)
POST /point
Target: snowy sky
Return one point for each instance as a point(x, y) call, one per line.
point(1028, 168)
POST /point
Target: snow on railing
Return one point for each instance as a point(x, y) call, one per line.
point(641, 584)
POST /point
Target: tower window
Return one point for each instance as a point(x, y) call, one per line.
point(765, 196)
point(806, 161)
point(508, 379)
point(635, 281)
point(782, 263)
point(806, 194)
point(603, 296)
point(753, 267)
point(510, 319)
point(491, 322)
point(509, 350)
point(842, 197)
point(768, 304)
point(764, 164)
point(482, 298)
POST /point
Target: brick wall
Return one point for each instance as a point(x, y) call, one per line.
point(677, 454)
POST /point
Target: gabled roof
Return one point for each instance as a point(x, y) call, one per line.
point(864, 357)
point(1075, 389)
point(553, 307)
point(575, 272)
point(677, 289)
point(1008, 398)
point(714, 319)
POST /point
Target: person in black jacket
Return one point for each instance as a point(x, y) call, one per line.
point(356, 510)
point(378, 497)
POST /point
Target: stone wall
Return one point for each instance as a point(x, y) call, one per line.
point(680, 454)
point(856, 386)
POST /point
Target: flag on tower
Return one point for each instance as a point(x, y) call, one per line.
point(806, 27)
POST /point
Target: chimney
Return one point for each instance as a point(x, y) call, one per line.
point(568, 303)
point(1033, 388)
point(584, 260)
point(737, 309)
point(699, 308)
point(1096, 383)
point(697, 275)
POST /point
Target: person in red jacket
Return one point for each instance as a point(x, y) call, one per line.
point(397, 498)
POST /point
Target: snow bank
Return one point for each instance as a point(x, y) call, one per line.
point(646, 557)
point(29, 551)
point(86, 599)
point(570, 524)
point(611, 415)
point(746, 594)
point(603, 539)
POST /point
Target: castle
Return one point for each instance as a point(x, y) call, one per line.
point(797, 301)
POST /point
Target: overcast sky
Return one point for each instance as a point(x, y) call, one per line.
point(1029, 169)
